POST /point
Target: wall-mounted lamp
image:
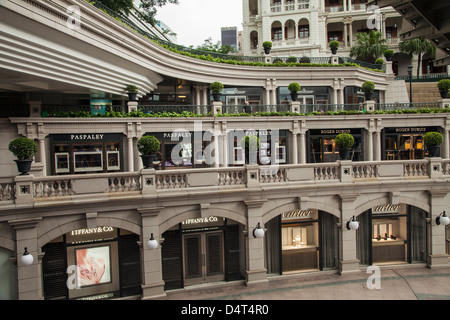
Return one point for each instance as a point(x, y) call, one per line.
point(353, 224)
point(152, 244)
point(258, 232)
point(26, 259)
point(442, 218)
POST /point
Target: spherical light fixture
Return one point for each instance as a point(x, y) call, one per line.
point(26, 259)
point(353, 224)
point(152, 244)
point(258, 232)
point(442, 219)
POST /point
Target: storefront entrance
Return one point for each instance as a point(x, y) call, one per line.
point(202, 250)
point(405, 143)
point(203, 257)
point(392, 234)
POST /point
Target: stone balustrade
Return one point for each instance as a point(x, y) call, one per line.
point(29, 190)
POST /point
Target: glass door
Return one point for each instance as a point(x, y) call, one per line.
point(236, 104)
point(203, 257)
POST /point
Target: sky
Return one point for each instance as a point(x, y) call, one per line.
point(194, 21)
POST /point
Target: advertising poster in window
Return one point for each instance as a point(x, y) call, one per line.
point(93, 266)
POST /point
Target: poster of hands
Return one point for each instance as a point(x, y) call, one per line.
point(93, 266)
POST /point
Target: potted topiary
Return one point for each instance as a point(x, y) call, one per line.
point(148, 146)
point(216, 88)
point(132, 91)
point(294, 88)
point(345, 142)
point(368, 87)
point(334, 46)
point(379, 61)
point(388, 54)
point(267, 45)
point(443, 86)
point(250, 144)
point(24, 149)
point(433, 140)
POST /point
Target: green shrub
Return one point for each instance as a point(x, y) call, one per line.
point(432, 138)
point(23, 148)
point(334, 44)
point(294, 87)
point(291, 59)
point(344, 140)
point(248, 142)
point(368, 87)
point(131, 88)
point(379, 61)
point(148, 145)
point(443, 84)
point(388, 53)
point(216, 87)
point(267, 44)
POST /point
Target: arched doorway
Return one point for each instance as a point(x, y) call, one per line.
point(301, 240)
point(202, 250)
point(392, 234)
point(92, 264)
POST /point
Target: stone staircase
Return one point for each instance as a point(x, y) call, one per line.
point(424, 91)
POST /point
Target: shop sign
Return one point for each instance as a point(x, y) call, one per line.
point(91, 234)
point(93, 136)
point(297, 214)
point(206, 220)
point(387, 208)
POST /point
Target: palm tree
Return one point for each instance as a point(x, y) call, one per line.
point(368, 46)
point(420, 47)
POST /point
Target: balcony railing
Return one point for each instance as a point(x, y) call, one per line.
point(65, 189)
point(429, 77)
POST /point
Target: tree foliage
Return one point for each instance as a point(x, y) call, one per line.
point(208, 45)
point(419, 47)
point(146, 11)
point(368, 46)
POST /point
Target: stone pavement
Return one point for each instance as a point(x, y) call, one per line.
point(411, 282)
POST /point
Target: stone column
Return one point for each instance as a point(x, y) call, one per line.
point(130, 154)
point(294, 146)
point(348, 261)
point(370, 146)
point(151, 262)
point(437, 255)
point(302, 158)
point(29, 277)
point(255, 269)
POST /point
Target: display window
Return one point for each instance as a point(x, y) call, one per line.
point(301, 240)
point(92, 264)
point(322, 148)
point(405, 143)
point(392, 234)
point(86, 153)
point(183, 150)
point(273, 149)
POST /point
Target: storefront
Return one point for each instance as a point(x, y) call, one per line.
point(86, 153)
point(392, 234)
point(183, 150)
point(307, 96)
point(322, 148)
point(404, 143)
point(202, 250)
point(92, 264)
point(273, 147)
point(301, 240)
point(241, 99)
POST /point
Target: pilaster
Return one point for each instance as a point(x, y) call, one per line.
point(348, 261)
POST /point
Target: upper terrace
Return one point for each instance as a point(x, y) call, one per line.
point(105, 54)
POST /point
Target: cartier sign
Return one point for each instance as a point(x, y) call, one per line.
point(297, 214)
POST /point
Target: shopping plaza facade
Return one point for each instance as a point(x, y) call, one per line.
point(88, 209)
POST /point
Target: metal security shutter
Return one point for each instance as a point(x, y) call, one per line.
point(171, 260)
point(130, 265)
point(54, 267)
point(214, 254)
point(193, 256)
point(232, 253)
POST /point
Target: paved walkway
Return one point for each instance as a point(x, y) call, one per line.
point(412, 282)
